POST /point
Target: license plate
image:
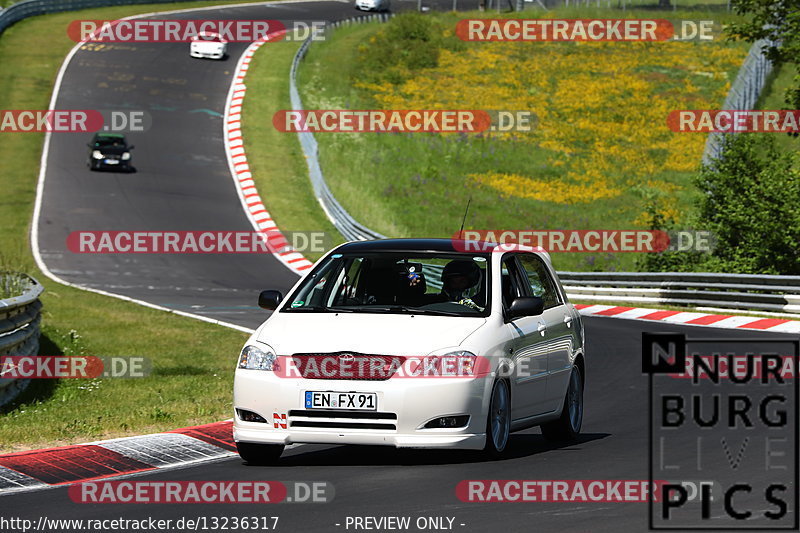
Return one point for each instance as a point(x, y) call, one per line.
point(112, 162)
point(357, 401)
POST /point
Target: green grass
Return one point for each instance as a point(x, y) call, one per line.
point(190, 384)
point(411, 185)
point(12, 284)
point(193, 361)
point(773, 97)
point(276, 159)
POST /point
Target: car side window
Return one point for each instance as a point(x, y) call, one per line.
point(510, 281)
point(539, 280)
point(345, 288)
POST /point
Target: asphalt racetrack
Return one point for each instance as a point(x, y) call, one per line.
point(380, 482)
point(183, 182)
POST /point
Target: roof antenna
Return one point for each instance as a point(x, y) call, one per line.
point(461, 231)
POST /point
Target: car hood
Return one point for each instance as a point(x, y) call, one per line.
point(208, 45)
point(391, 334)
point(112, 150)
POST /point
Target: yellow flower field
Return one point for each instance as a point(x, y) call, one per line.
point(601, 109)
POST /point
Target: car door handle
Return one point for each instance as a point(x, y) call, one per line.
point(568, 320)
point(541, 328)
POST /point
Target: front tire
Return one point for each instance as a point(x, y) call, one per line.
point(568, 426)
point(498, 420)
point(259, 454)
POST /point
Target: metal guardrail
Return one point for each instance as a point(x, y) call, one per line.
point(338, 215)
point(743, 94)
point(20, 318)
point(749, 292)
point(30, 8)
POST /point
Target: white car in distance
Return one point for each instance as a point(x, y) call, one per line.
point(412, 343)
point(208, 45)
point(373, 5)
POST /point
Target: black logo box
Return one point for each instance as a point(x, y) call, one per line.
point(678, 366)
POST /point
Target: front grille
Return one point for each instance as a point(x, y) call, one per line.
point(340, 419)
point(341, 425)
point(347, 365)
point(339, 413)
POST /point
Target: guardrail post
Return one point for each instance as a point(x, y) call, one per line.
point(20, 318)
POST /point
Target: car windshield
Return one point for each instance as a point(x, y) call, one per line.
point(397, 283)
point(109, 141)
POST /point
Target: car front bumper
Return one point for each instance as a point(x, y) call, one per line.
point(100, 164)
point(414, 402)
point(207, 55)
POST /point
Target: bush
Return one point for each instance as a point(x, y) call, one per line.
point(407, 43)
point(749, 203)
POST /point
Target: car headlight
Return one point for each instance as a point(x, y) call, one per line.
point(461, 363)
point(126, 156)
point(254, 358)
point(96, 154)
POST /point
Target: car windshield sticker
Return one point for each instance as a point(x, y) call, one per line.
point(297, 303)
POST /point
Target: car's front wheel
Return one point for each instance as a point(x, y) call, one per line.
point(259, 454)
point(498, 421)
point(568, 426)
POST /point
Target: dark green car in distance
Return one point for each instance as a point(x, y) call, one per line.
point(109, 151)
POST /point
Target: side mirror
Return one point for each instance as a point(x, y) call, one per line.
point(525, 306)
point(269, 300)
point(131, 147)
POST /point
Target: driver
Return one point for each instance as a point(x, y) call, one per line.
point(458, 277)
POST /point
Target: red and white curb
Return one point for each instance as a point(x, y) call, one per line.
point(688, 318)
point(253, 206)
point(53, 467)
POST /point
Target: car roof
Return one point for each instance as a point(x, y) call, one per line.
point(471, 248)
point(410, 245)
point(398, 245)
point(109, 136)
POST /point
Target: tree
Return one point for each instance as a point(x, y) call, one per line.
point(778, 21)
point(749, 203)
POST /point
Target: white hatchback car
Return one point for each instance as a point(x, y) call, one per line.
point(208, 45)
point(413, 343)
point(373, 5)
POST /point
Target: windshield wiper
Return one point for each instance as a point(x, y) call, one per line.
point(406, 309)
point(320, 309)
